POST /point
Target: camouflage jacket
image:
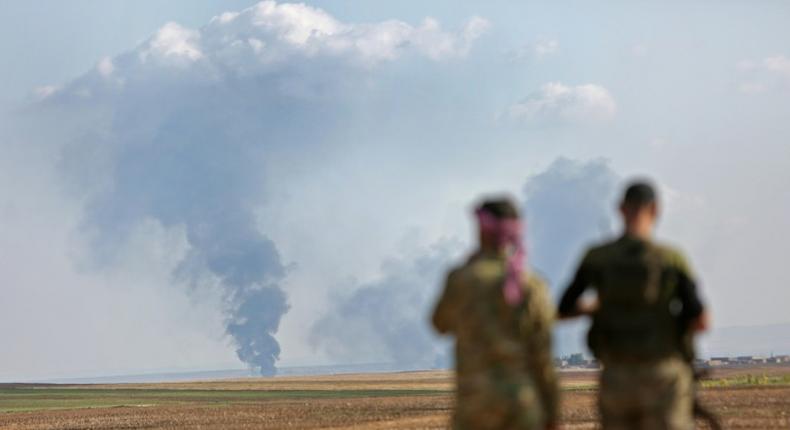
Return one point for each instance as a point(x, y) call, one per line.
point(503, 353)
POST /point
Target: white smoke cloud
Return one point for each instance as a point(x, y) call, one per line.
point(45, 91)
point(185, 132)
point(385, 320)
point(271, 38)
point(105, 67)
point(173, 41)
point(558, 102)
point(569, 206)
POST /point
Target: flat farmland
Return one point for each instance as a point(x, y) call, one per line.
point(756, 398)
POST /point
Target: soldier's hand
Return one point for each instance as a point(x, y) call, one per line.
point(588, 307)
point(583, 308)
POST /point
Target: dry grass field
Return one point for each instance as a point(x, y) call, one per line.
point(757, 398)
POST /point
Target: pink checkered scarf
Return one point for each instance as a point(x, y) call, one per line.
point(507, 233)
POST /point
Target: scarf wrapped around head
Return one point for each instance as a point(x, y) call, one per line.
point(507, 232)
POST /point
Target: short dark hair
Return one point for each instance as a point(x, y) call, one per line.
point(639, 194)
point(500, 207)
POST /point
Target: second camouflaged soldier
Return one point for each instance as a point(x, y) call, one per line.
point(647, 303)
point(501, 319)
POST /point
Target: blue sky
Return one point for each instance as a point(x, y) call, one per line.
point(341, 144)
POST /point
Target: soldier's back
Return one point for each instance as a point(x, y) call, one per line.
point(495, 388)
point(645, 383)
point(637, 285)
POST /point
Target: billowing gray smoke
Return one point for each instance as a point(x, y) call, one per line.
point(386, 320)
point(192, 173)
point(568, 207)
point(184, 131)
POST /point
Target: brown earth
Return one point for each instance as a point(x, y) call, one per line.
point(741, 407)
point(427, 380)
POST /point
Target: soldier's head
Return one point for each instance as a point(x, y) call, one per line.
point(498, 221)
point(639, 208)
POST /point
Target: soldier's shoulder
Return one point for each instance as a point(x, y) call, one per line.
point(485, 269)
point(457, 272)
point(600, 251)
point(672, 255)
point(474, 268)
point(534, 279)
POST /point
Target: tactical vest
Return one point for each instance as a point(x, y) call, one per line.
point(636, 319)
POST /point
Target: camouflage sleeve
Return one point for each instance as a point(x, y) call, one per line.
point(539, 318)
point(446, 313)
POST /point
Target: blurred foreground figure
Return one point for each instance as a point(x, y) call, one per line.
point(642, 323)
point(501, 318)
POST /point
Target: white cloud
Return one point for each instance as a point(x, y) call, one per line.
point(45, 91)
point(558, 102)
point(761, 75)
point(274, 32)
point(295, 23)
point(226, 17)
point(173, 41)
point(777, 64)
point(274, 39)
point(546, 47)
point(475, 28)
point(256, 44)
point(536, 50)
point(752, 87)
point(105, 67)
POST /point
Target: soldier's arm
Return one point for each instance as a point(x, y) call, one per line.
point(446, 313)
point(569, 306)
point(540, 319)
point(693, 313)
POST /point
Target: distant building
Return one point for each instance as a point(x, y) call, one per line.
point(593, 364)
point(577, 360)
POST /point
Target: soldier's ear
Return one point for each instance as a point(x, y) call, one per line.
point(622, 209)
point(653, 208)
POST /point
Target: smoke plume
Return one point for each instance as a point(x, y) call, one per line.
point(183, 131)
point(386, 320)
point(568, 206)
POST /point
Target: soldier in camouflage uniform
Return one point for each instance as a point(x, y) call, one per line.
point(646, 304)
point(501, 319)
